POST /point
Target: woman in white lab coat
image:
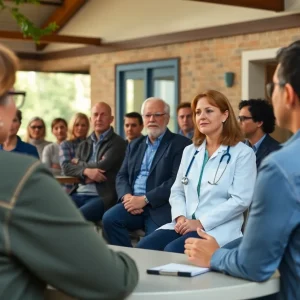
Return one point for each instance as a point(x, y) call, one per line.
point(215, 180)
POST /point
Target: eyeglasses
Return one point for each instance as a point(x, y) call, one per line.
point(156, 115)
point(37, 127)
point(17, 96)
point(271, 86)
point(244, 118)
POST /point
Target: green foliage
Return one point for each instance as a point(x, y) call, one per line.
point(28, 28)
point(53, 95)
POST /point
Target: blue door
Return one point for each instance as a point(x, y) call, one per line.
point(139, 81)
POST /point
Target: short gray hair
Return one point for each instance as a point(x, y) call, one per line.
point(166, 105)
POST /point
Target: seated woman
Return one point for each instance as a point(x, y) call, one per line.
point(41, 230)
point(36, 132)
point(215, 180)
point(78, 130)
point(13, 142)
point(50, 156)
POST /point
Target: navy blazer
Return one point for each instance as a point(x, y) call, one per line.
point(162, 173)
point(267, 146)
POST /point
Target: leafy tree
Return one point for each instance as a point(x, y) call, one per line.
point(53, 95)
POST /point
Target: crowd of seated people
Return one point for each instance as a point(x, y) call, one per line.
point(174, 186)
point(137, 183)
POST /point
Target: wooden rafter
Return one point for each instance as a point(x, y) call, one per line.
point(47, 2)
point(62, 15)
point(273, 5)
point(54, 38)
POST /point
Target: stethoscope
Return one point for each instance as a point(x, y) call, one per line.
point(185, 179)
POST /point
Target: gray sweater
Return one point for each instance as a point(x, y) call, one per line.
point(39, 144)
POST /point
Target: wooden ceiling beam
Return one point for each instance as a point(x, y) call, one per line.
point(273, 5)
point(45, 2)
point(62, 15)
point(54, 38)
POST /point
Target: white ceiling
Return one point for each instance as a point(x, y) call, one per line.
point(117, 20)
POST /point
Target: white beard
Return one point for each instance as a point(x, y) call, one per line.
point(155, 132)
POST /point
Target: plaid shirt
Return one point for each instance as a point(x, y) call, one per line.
point(68, 150)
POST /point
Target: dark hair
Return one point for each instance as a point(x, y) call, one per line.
point(183, 105)
point(261, 111)
point(58, 120)
point(289, 70)
point(19, 115)
point(134, 115)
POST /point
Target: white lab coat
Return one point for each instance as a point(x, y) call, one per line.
point(220, 207)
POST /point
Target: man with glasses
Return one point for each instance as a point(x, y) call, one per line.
point(272, 235)
point(257, 121)
point(97, 161)
point(145, 178)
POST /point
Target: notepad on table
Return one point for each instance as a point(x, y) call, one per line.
point(177, 270)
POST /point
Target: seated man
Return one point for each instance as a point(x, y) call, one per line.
point(145, 178)
point(257, 121)
point(13, 143)
point(185, 119)
point(133, 126)
point(98, 160)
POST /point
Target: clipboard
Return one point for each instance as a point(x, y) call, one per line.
point(173, 269)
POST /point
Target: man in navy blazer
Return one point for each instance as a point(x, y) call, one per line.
point(145, 179)
point(257, 121)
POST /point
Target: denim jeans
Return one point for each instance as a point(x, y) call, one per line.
point(92, 207)
point(117, 222)
point(166, 240)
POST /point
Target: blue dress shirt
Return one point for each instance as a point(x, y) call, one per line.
point(189, 134)
point(272, 235)
point(139, 188)
point(24, 148)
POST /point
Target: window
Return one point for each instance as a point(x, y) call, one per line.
point(139, 81)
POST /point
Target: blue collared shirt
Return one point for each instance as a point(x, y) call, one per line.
point(24, 148)
point(91, 187)
point(256, 145)
point(139, 188)
point(189, 135)
point(272, 235)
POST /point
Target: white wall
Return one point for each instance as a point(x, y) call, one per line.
point(116, 20)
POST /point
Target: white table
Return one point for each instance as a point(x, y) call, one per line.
point(208, 286)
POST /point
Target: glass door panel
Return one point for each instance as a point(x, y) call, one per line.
point(164, 88)
point(135, 91)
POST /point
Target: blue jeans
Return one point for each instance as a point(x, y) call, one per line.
point(92, 207)
point(166, 240)
point(117, 221)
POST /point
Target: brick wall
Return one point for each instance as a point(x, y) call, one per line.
point(203, 63)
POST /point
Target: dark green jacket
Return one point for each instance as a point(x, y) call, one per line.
point(45, 240)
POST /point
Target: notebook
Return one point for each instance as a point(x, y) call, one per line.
point(177, 270)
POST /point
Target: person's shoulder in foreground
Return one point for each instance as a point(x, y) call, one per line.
point(41, 224)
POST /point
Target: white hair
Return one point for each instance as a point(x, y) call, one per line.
point(166, 105)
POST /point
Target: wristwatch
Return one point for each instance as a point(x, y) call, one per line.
point(146, 200)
